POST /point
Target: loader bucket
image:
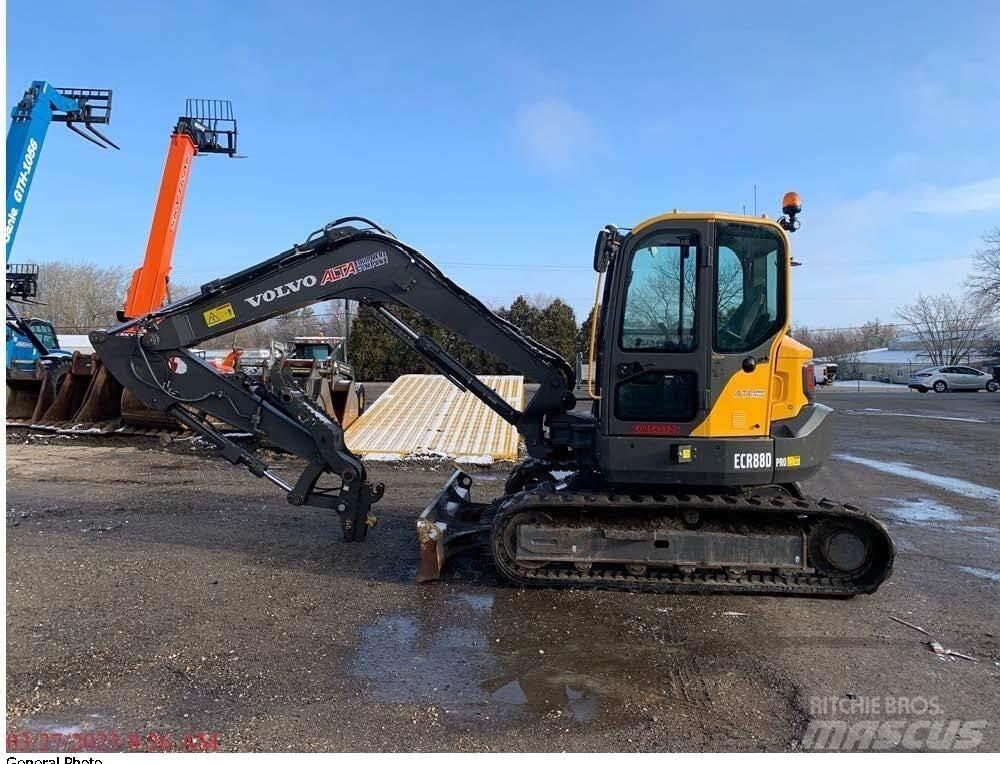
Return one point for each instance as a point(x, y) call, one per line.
point(71, 392)
point(135, 413)
point(101, 403)
point(27, 394)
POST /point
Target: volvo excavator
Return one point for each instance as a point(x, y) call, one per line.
point(681, 469)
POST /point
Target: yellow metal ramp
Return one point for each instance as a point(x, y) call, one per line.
point(426, 415)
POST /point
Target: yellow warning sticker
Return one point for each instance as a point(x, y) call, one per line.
point(219, 315)
point(794, 461)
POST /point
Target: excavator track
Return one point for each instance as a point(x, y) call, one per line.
point(808, 538)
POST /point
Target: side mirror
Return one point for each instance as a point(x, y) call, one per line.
point(605, 248)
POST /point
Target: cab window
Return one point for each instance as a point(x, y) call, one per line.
point(749, 286)
point(46, 334)
point(661, 294)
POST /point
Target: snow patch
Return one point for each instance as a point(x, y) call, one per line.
point(921, 511)
point(955, 485)
point(989, 575)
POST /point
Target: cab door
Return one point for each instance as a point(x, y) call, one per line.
point(654, 367)
point(747, 315)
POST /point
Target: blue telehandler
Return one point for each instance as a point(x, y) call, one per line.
point(35, 364)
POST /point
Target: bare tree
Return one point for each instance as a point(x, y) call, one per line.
point(539, 300)
point(985, 277)
point(79, 297)
point(835, 345)
point(948, 327)
point(874, 334)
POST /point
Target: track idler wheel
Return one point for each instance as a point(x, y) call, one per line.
point(504, 542)
point(839, 549)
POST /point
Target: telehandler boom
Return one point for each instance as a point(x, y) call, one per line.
point(683, 475)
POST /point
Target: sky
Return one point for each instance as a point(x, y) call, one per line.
point(498, 138)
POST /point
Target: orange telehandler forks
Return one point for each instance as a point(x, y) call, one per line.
point(208, 127)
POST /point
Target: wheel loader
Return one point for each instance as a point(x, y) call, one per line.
point(681, 469)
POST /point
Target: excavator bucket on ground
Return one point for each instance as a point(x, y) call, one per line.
point(71, 389)
point(101, 405)
point(27, 393)
point(80, 397)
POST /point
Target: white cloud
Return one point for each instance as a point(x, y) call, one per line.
point(555, 134)
point(864, 257)
point(981, 196)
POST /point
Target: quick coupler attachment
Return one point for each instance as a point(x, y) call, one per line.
point(450, 523)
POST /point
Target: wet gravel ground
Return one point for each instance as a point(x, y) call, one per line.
point(164, 591)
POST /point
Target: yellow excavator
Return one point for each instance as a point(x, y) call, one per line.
point(679, 471)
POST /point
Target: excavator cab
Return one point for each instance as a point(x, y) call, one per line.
point(695, 368)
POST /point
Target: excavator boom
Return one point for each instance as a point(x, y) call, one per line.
point(150, 357)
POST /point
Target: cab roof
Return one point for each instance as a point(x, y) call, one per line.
point(724, 216)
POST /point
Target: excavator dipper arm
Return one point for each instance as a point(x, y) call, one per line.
point(150, 357)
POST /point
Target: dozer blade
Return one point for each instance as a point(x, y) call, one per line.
point(135, 413)
point(71, 391)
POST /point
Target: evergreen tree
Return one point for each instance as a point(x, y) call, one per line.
point(583, 336)
point(525, 317)
point(557, 329)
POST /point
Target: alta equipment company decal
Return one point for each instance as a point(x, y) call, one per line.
point(362, 264)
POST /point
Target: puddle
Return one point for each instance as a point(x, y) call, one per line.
point(901, 469)
point(921, 511)
point(989, 575)
point(432, 658)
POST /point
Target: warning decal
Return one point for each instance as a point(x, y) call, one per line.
point(219, 315)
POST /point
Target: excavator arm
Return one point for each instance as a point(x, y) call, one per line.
point(150, 357)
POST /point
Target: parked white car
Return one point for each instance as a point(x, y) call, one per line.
point(940, 379)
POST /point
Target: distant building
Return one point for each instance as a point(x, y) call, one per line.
point(895, 362)
point(73, 342)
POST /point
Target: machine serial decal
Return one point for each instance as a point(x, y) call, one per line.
point(362, 264)
point(759, 460)
point(220, 315)
point(655, 429)
point(289, 287)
